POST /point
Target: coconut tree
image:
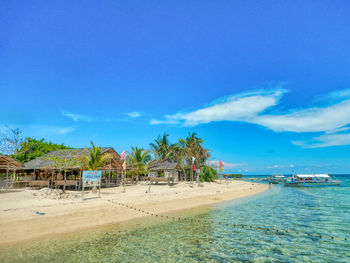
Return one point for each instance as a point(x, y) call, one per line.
point(96, 158)
point(193, 148)
point(179, 157)
point(139, 159)
point(162, 148)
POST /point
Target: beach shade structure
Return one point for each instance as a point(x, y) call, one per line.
point(11, 168)
point(170, 169)
point(64, 168)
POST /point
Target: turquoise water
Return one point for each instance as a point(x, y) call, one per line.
point(324, 211)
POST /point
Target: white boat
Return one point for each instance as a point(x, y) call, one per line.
point(312, 180)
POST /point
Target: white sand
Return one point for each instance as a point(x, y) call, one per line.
point(19, 221)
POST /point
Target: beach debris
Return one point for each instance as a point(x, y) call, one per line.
point(48, 193)
point(39, 213)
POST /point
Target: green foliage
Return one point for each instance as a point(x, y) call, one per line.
point(208, 174)
point(96, 159)
point(138, 159)
point(31, 149)
point(234, 175)
point(162, 148)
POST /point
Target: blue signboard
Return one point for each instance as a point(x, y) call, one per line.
point(92, 178)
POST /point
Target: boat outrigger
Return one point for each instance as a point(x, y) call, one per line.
point(312, 180)
point(276, 179)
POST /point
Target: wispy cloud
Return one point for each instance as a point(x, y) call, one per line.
point(134, 114)
point(166, 121)
point(242, 107)
point(325, 140)
point(45, 130)
point(308, 120)
point(76, 117)
point(251, 108)
point(215, 164)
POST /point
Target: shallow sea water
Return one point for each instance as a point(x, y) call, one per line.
point(324, 211)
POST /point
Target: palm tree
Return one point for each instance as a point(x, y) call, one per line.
point(139, 158)
point(193, 148)
point(179, 157)
point(162, 148)
point(96, 159)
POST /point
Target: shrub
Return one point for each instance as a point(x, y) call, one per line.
point(208, 174)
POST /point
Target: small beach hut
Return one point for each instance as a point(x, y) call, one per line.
point(10, 168)
point(170, 169)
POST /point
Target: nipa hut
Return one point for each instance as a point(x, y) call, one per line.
point(9, 167)
point(170, 169)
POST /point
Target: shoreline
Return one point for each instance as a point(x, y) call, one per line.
point(20, 224)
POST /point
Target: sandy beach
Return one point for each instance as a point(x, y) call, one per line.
point(35, 214)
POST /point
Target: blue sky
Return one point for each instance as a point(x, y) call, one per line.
point(266, 84)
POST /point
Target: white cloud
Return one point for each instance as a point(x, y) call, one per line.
point(215, 164)
point(337, 130)
point(134, 114)
point(76, 117)
point(325, 140)
point(63, 131)
point(308, 120)
point(332, 119)
point(241, 107)
point(168, 121)
point(43, 130)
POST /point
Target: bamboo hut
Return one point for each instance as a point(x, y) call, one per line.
point(64, 168)
point(10, 168)
point(170, 170)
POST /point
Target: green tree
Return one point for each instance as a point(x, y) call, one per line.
point(180, 156)
point(193, 147)
point(162, 148)
point(139, 159)
point(208, 174)
point(31, 149)
point(96, 158)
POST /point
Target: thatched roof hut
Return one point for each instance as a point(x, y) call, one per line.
point(68, 157)
point(8, 163)
point(158, 165)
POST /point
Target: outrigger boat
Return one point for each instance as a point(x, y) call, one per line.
point(276, 179)
point(312, 180)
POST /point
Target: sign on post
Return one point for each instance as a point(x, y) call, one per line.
point(92, 179)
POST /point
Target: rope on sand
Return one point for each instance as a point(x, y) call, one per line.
point(242, 226)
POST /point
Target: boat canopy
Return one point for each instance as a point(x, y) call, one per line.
point(278, 176)
point(313, 175)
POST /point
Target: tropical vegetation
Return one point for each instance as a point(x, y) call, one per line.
point(96, 158)
point(186, 152)
point(138, 160)
point(31, 149)
point(208, 174)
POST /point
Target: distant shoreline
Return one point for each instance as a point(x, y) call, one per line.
point(20, 222)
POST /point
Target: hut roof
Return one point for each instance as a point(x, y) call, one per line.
point(49, 160)
point(163, 165)
point(8, 162)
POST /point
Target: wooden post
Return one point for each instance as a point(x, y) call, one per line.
point(7, 178)
point(123, 179)
point(149, 185)
point(109, 179)
point(65, 178)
